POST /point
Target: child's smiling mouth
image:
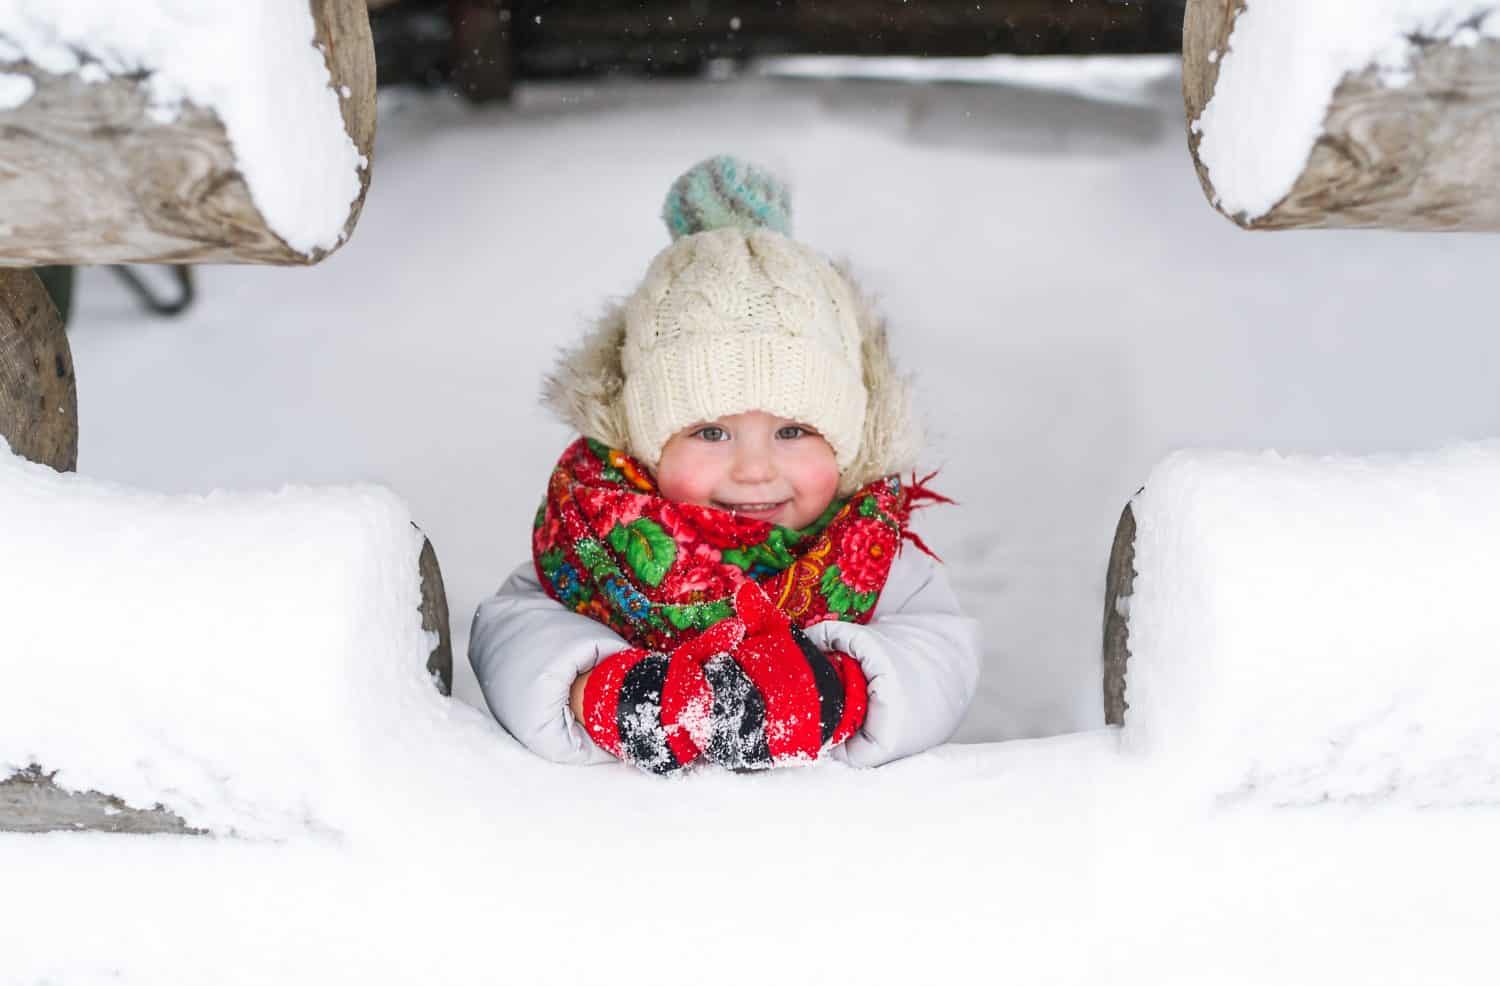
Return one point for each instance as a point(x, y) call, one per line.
point(759, 511)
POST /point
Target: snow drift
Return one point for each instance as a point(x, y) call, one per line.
point(225, 655)
point(1312, 629)
point(255, 662)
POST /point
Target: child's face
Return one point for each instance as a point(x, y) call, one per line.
point(753, 464)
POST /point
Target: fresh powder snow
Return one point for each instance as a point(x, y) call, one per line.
point(1286, 58)
point(218, 654)
point(252, 64)
point(255, 661)
point(1313, 629)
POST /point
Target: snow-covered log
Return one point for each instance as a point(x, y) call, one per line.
point(156, 131)
point(208, 663)
point(38, 397)
point(1304, 630)
point(1378, 113)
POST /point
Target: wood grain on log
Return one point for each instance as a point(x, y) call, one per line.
point(38, 395)
point(90, 178)
point(1119, 583)
point(1421, 156)
point(30, 801)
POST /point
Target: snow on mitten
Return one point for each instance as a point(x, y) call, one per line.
point(636, 703)
point(777, 698)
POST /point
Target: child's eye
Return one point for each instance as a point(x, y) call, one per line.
point(711, 433)
point(792, 431)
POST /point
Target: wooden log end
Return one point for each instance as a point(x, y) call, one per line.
point(342, 32)
point(38, 393)
point(435, 619)
point(1206, 27)
point(1119, 583)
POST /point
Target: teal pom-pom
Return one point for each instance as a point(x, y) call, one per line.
point(727, 192)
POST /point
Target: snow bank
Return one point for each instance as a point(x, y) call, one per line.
point(255, 661)
point(1107, 78)
point(226, 655)
point(253, 64)
point(1286, 58)
point(1310, 629)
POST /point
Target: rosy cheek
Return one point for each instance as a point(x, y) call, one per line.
point(685, 477)
point(680, 489)
point(816, 480)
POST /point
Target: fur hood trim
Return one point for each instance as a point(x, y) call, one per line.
point(584, 389)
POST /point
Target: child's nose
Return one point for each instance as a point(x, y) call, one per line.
point(753, 465)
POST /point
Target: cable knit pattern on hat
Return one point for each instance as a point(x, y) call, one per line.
point(737, 316)
point(728, 321)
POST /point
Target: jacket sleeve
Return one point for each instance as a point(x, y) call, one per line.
point(920, 656)
point(526, 649)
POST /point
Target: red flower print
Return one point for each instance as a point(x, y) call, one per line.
point(720, 528)
point(550, 532)
point(700, 573)
point(700, 580)
point(864, 554)
point(606, 508)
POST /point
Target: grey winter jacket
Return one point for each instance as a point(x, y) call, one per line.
point(919, 653)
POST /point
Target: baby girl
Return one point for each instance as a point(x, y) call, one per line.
point(722, 567)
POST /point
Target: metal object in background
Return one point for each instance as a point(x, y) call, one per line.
point(155, 303)
point(60, 281)
point(480, 47)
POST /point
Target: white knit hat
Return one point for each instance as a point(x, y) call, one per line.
point(736, 316)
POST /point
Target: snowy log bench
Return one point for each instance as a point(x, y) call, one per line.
point(1346, 114)
point(204, 663)
point(165, 132)
point(1304, 630)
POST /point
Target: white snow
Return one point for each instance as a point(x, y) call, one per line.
point(1073, 313)
point(228, 656)
point(1286, 58)
point(253, 64)
point(1308, 629)
point(1108, 78)
point(15, 90)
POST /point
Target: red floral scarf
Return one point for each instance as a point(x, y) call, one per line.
point(608, 545)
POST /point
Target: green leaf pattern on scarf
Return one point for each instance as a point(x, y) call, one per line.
point(594, 557)
point(843, 600)
point(773, 553)
point(697, 616)
point(647, 548)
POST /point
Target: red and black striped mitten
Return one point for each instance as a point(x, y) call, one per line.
point(777, 698)
point(637, 703)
